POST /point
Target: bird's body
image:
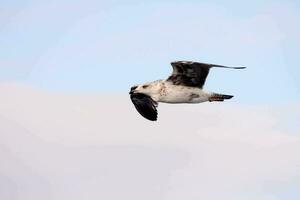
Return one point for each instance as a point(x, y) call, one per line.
point(183, 86)
point(170, 93)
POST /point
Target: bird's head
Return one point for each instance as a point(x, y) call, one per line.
point(149, 89)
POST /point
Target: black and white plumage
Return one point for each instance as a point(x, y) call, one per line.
point(183, 86)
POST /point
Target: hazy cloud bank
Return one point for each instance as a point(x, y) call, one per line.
point(57, 146)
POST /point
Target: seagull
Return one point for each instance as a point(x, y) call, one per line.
point(185, 85)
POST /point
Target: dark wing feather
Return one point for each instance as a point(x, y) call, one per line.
point(145, 105)
point(192, 74)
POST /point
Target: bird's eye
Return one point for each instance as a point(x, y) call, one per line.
point(145, 86)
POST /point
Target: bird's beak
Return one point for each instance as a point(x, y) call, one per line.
point(132, 89)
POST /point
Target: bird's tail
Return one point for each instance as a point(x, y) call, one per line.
point(219, 97)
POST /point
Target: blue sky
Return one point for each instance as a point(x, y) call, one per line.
point(107, 46)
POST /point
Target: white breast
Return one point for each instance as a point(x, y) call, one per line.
point(182, 94)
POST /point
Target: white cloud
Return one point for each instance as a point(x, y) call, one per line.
point(98, 147)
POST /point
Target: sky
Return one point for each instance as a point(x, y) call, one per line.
point(108, 46)
point(69, 131)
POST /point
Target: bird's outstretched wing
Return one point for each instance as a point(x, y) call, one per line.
point(192, 74)
point(145, 105)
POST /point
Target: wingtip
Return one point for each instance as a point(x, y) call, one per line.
point(153, 120)
point(229, 96)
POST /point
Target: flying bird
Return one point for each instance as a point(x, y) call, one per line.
point(185, 85)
